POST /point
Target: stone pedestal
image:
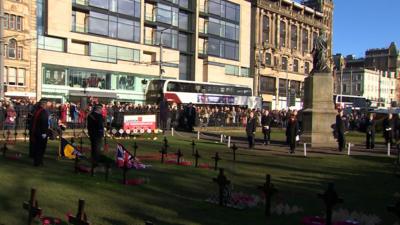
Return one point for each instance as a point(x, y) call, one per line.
point(318, 111)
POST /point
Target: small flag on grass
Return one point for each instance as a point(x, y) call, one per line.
point(67, 150)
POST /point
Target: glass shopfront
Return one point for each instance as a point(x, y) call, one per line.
point(81, 78)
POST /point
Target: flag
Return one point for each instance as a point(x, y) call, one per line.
point(67, 150)
point(124, 158)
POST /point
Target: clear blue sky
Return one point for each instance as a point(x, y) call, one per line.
point(363, 24)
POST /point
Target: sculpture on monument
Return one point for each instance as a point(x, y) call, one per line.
point(320, 56)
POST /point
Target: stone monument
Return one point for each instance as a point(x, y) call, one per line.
point(318, 109)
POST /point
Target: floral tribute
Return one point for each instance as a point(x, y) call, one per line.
point(344, 217)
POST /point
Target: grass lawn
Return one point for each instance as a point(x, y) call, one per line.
point(176, 194)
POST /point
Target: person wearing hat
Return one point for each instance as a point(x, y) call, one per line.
point(39, 128)
point(340, 129)
point(95, 126)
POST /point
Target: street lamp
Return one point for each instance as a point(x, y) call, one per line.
point(161, 50)
point(1, 49)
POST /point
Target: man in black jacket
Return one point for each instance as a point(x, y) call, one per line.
point(251, 129)
point(370, 129)
point(340, 129)
point(190, 115)
point(388, 128)
point(95, 126)
point(266, 127)
point(39, 128)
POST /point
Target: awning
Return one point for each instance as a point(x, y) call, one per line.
point(98, 94)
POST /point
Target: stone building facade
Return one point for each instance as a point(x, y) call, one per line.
point(19, 48)
point(282, 42)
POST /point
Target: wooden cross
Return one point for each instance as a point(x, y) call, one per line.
point(330, 199)
point(166, 144)
point(234, 148)
point(269, 190)
point(222, 182)
point(193, 147)
point(80, 218)
point(135, 147)
point(32, 207)
point(4, 149)
point(196, 156)
point(179, 155)
point(216, 159)
point(163, 152)
point(395, 209)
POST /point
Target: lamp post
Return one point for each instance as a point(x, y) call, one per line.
point(1, 49)
point(287, 85)
point(161, 51)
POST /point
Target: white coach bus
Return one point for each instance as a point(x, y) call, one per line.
point(200, 93)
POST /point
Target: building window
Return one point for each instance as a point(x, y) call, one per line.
point(11, 24)
point(129, 7)
point(12, 76)
point(284, 63)
point(267, 85)
point(296, 66)
point(19, 23)
point(344, 88)
point(223, 49)
point(54, 75)
point(223, 29)
point(265, 31)
point(12, 49)
point(306, 67)
point(224, 9)
point(20, 53)
point(282, 87)
point(184, 63)
point(358, 87)
point(305, 41)
point(268, 59)
point(245, 72)
point(50, 43)
point(103, 53)
point(167, 14)
point(293, 44)
point(183, 42)
point(315, 36)
point(232, 70)
point(5, 21)
point(282, 34)
point(128, 54)
point(183, 21)
point(21, 77)
point(169, 37)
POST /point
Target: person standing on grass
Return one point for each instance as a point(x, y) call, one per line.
point(340, 129)
point(251, 129)
point(95, 126)
point(388, 125)
point(266, 120)
point(370, 132)
point(292, 131)
point(39, 127)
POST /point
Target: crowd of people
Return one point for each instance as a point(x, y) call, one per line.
point(45, 114)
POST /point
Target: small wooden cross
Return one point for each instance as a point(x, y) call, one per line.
point(222, 182)
point(80, 218)
point(166, 144)
point(196, 156)
point(4, 149)
point(193, 147)
point(163, 152)
point(32, 207)
point(135, 147)
point(216, 159)
point(269, 190)
point(330, 199)
point(179, 155)
point(234, 148)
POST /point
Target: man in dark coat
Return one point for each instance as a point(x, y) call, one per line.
point(29, 125)
point(370, 132)
point(340, 129)
point(164, 114)
point(190, 115)
point(39, 129)
point(266, 120)
point(388, 128)
point(292, 131)
point(251, 129)
point(95, 126)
